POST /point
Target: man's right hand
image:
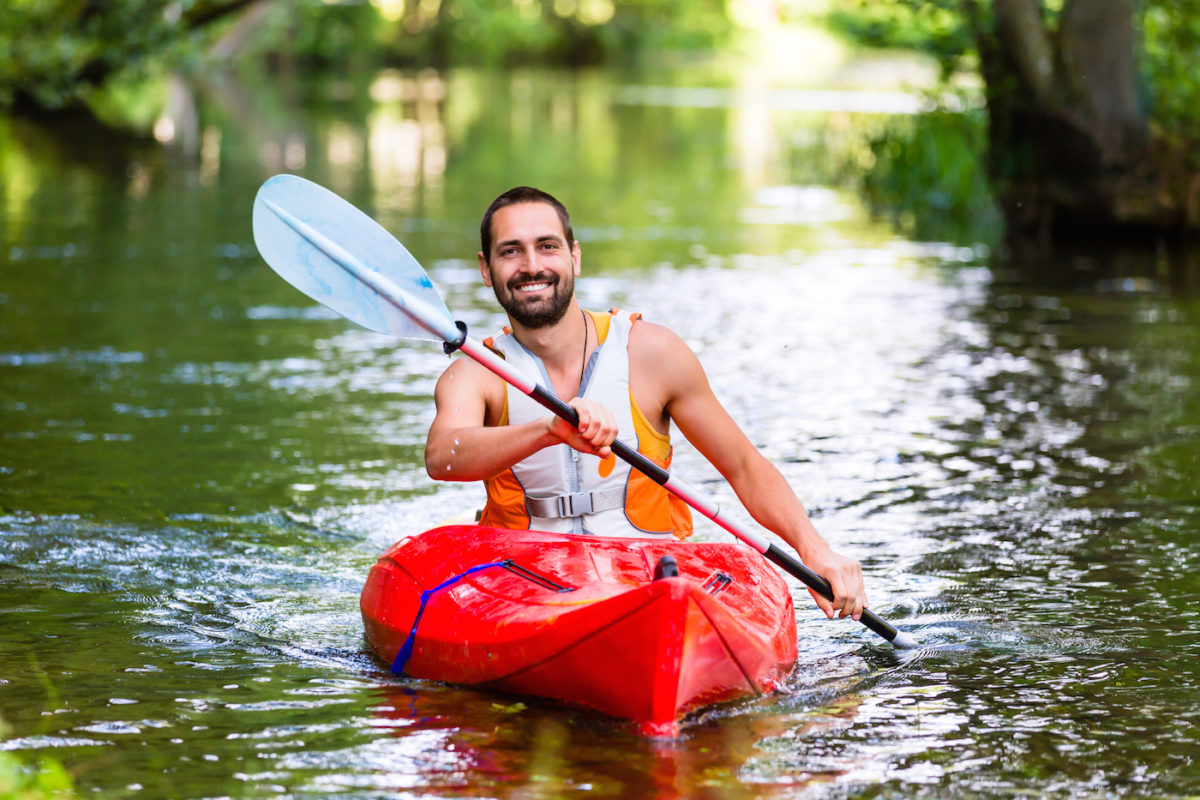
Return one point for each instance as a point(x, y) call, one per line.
point(596, 432)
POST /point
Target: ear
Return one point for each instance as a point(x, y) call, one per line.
point(577, 257)
point(485, 270)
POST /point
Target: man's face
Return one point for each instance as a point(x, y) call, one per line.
point(532, 269)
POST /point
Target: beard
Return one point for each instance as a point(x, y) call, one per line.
point(540, 313)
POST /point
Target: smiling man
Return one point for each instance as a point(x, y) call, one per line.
point(626, 378)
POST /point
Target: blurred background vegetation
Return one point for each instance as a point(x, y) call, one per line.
point(53, 52)
point(1090, 116)
point(1169, 45)
point(987, 144)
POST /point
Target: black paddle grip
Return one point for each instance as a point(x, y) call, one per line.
point(821, 586)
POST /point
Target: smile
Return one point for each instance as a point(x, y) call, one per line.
point(530, 288)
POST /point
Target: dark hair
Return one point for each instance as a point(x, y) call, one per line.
point(521, 194)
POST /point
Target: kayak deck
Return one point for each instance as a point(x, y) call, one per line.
point(581, 619)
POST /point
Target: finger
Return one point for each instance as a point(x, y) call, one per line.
point(822, 603)
point(847, 608)
point(590, 422)
point(598, 437)
point(859, 604)
point(602, 435)
point(838, 599)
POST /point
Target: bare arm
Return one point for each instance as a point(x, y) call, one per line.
point(467, 443)
point(682, 388)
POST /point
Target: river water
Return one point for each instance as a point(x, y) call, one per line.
point(198, 466)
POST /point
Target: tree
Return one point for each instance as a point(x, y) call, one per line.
point(1092, 105)
point(1069, 134)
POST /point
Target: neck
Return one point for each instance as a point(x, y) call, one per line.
point(563, 348)
point(556, 345)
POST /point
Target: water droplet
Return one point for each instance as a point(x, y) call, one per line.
point(447, 468)
point(452, 451)
point(457, 442)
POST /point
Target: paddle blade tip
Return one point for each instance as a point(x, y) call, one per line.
point(904, 641)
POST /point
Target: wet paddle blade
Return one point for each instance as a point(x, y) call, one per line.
point(343, 259)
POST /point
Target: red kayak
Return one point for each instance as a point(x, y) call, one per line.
point(583, 619)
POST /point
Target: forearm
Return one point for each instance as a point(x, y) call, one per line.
point(477, 453)
point(771, 502)
point(775, 506)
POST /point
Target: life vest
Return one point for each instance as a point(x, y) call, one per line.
point(562, 490)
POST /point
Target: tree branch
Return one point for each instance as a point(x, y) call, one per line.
point(203, 13)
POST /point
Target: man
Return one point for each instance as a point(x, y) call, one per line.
point(626, 377)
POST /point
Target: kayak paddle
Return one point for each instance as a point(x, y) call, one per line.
point(342, 258)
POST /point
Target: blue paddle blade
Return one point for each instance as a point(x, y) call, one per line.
point(343, 259)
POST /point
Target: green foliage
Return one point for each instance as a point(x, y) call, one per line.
point(479, 31)
point(928, 171)
point(53, 51)
point(936, 27)
point(1171, 47)
point(49, 49)
point(21, 782)
point(322, 34)
point(472, 32)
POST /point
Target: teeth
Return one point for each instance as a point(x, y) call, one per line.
point(532, 287)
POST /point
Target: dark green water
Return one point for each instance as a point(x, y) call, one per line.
point(197, 467)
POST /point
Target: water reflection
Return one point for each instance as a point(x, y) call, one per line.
point(510, 749)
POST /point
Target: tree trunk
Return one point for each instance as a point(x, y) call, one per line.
point(1070, 150)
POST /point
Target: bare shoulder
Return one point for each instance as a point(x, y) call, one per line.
point(469, 374)
point(466, 382)
point(655, 342)
point(659, 348)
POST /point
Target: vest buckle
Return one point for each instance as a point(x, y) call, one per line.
point(575, 505)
